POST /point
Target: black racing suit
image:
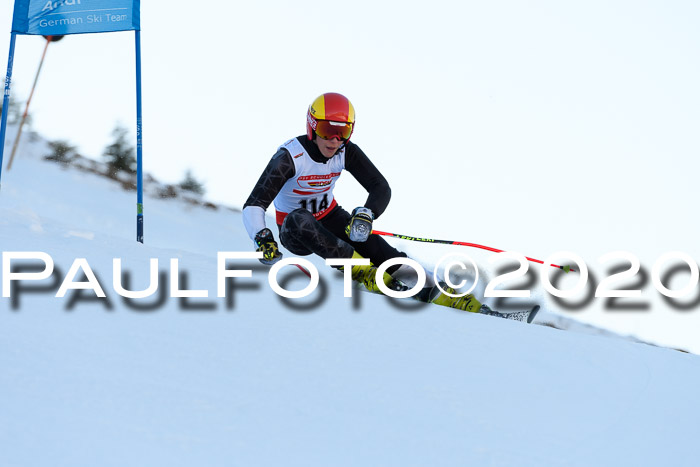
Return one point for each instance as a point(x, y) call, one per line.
point(301, 233)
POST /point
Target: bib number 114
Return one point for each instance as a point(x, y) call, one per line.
point(313, 204)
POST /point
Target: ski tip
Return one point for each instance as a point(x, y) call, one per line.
point(533, 313)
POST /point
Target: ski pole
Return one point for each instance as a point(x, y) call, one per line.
point(26, 108)
point(303, 269)
point(472, 245)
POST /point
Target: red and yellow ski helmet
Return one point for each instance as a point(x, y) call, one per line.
point(330, 115)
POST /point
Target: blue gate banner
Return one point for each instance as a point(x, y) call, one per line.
point(60, 17)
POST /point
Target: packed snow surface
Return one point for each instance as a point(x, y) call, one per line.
point(253, 380)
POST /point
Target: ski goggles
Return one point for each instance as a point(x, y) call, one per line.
point(326, 129)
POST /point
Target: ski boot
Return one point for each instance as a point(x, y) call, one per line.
point(367, 275)
point(466, 303)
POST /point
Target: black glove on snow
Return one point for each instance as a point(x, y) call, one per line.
point(267, 244)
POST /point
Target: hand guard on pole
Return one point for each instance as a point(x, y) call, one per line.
point(360, 226)
point(268, 246)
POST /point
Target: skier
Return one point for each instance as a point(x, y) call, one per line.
point(300, 178)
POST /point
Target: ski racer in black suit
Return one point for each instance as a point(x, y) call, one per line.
point(299, 180)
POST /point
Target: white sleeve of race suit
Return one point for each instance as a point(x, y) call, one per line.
point(254, 220)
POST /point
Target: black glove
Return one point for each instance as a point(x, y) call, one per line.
point(360, 225)
point(267, 244)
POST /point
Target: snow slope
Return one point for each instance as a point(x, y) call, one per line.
point(250, 380)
